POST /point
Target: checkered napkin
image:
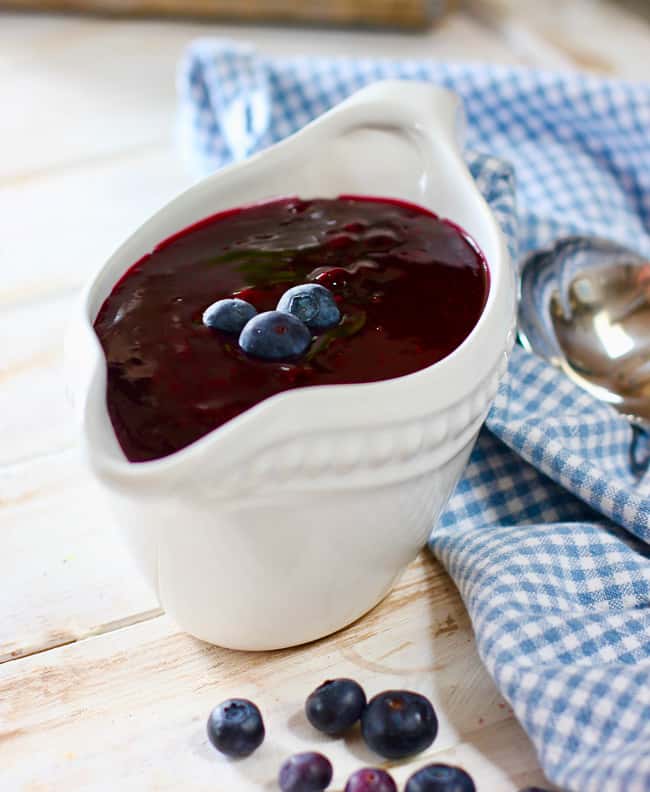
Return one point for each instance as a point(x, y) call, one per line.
point(545, 535)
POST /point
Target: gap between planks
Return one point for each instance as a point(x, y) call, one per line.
point(62, 639)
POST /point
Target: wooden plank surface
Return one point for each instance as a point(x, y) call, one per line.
point(127, 710)
point(45, 261)
point(97, 690)
point(65, 571)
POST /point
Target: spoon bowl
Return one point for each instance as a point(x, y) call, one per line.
point(585, 307)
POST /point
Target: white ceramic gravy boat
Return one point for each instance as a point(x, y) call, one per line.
point(295, 518)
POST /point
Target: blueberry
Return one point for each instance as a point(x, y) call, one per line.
point(370, 779)
point(335, 705)
point(305, 772)
point(313, 304)
point(440, 778)
point(235, 727)
point(275, 336)
point(399, 723)
point(228, 315)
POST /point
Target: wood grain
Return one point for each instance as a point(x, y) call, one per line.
point(126, 710)
point(65, 572)
point(45, 253)
point(35, 418)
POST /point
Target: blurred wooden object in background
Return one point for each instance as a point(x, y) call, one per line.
point(414, 14)
point(602, 36)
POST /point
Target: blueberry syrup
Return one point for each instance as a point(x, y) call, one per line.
point(410, 287)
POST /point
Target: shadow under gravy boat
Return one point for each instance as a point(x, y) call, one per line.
point(295, 518)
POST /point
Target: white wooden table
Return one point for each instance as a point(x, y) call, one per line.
point(98, 688)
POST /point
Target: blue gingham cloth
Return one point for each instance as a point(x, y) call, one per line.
point(545, 535)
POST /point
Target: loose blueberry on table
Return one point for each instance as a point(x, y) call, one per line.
point(377, 288)
point(235, 727)
point(335, 706)
point(399, 723)
point(370, 779)
point(305, 772)
point(440, 778)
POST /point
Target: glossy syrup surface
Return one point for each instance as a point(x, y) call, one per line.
point(410, 288)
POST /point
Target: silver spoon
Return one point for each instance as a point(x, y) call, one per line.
point(585, 307)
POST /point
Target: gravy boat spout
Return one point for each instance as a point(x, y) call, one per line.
point(295, 518)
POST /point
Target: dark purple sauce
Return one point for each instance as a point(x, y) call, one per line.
point(410, 288)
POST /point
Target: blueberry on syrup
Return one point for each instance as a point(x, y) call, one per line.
point(235, 727)
point(305, 772)
point(230, 316)
point(370, 779)
point(440, 778)
point(335, 705)
point(313, 304)
point(399, 723)
point(274, 335)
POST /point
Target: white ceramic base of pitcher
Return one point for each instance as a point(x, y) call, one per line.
point(244, 577)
